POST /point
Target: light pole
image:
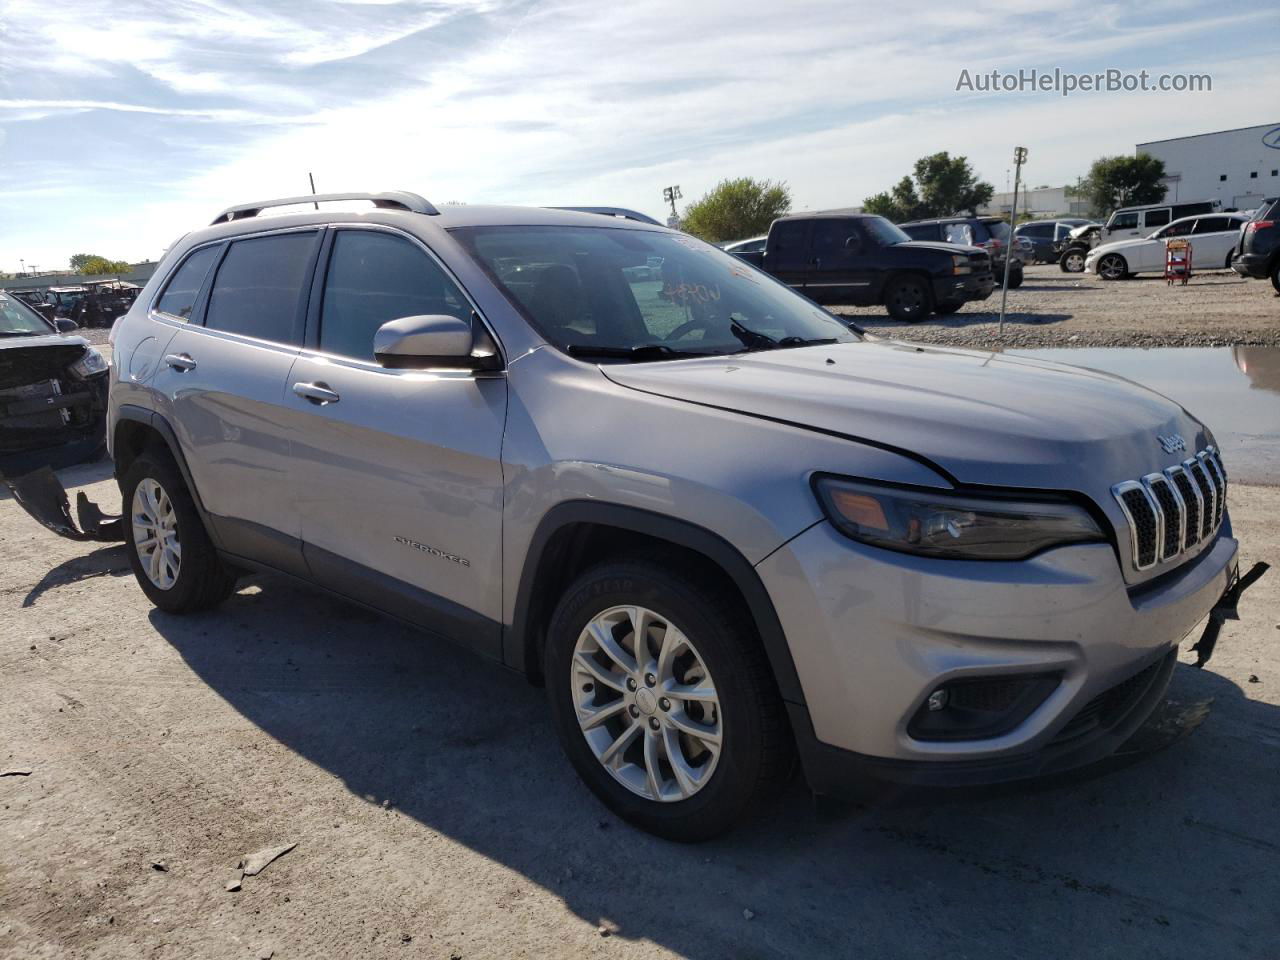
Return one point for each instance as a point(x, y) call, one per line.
point(1019, 158)
point(671, 195)
point(22, 267)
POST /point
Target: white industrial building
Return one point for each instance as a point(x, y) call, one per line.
point(1238, 167)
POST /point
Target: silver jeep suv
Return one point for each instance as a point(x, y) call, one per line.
point(724, 528)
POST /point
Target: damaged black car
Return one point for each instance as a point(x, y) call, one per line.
point(53, 392)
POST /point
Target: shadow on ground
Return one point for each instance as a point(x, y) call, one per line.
point(1173, 855)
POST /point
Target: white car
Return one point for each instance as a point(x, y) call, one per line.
point(1213, 243)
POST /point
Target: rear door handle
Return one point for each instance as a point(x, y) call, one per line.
point(317, 393)
point(181, 362)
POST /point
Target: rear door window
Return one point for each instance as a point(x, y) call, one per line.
point(258, 289)
point(1215, 225)
point(958, 233)
point(922, 231)
point(1157, 218)
point(179, 297)
point(376, 277)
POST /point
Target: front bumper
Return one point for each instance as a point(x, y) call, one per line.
point(1251, 265)
point(965, 287)
point(873, 633)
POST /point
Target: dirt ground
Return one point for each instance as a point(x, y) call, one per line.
point(435, 817)
point(1056, 309)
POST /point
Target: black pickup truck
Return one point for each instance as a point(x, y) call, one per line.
point(863, 260)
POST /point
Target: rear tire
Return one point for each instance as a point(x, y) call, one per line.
point(715, 786)
point(908, 299)
point(163, 515)
point(1015, 279)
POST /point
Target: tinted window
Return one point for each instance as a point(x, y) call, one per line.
point(1179, 228)
point(1215, 225)
point(921, 231)
point(1123, 221)
point(259, 286)
point(1157, 218)
point(790, 236)
point(376, 277)
point(1191, 209)
point(1037, 230)
point(829, 237)
point(179, 296)
point(882, 232)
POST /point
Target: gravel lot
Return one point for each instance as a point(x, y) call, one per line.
point(1056, 309)
point(435, 817)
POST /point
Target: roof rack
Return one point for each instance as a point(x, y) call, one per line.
point(622, 212)
point(393, 199)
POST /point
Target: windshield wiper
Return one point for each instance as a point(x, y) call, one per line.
point(806, 341)
point(640, 353)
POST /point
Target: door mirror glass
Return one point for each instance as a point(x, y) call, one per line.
point(853, 244)
point(433, 340)
point(66, 325)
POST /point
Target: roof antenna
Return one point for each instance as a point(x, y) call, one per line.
point(312, 178)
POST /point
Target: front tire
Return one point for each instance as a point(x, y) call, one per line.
point(1072, 261)
point(169, 549)
point(1015, 279)
point(664, 700)
point(908, 299)
point(1113, 267)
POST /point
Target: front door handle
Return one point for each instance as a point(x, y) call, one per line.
point(317, 393)
point(181, 362)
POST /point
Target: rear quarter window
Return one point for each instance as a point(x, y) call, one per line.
point(180, 293)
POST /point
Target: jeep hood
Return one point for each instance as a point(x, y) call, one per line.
point(983, 418)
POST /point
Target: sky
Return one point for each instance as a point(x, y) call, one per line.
point(123, 126)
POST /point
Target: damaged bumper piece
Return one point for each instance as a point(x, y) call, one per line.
point(42, 495)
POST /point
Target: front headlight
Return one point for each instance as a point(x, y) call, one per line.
point(91, 363)
point(960, 265)
point(955, 527)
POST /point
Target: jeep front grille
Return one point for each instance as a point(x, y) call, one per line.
point(1169, 513)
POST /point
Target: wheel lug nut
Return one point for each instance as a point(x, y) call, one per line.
point(650, 679)
point(664, 703)
point(631, 684)
point(653, 723)
point(634, 710)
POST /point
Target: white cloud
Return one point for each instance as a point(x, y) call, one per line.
point(577, 101)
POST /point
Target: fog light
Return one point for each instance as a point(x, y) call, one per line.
point(937, 699)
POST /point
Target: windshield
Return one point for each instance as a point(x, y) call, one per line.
point(611, 293)
point(883, 232)
point(19, 320)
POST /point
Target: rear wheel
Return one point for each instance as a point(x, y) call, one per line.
point(1072, 261)
point(664, 700)
point(908, 299)
point(169, 550)
point(1113, 267)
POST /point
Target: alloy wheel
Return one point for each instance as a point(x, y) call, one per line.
point(1075, 263)
point(646, 703)
point(1111, 267)
point(155, 534)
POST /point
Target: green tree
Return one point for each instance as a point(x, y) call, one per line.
point(941, 185)
point(1122, 182)
point(736, 209)
point(91, 264)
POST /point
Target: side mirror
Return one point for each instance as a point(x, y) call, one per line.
point(853, 244)
point(65, 324)
point(434, 340)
